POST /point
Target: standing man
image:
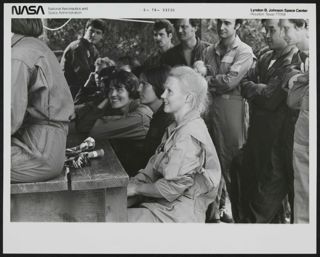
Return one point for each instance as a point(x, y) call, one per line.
point(296, 33)
point(227, 63)
point(264, 180)
point(78, 58)
point(162, 35)
point(190, 48)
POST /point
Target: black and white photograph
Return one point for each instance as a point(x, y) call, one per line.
point(120, 121)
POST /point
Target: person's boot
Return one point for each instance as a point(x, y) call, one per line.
point(225, 208)
point(225, 216)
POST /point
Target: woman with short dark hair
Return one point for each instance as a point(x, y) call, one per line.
point(119, 117)
point(151, 88)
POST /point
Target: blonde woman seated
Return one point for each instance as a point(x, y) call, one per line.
point(181, 179)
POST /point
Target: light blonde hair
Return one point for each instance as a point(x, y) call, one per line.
point(104, 60)
point(194, 84)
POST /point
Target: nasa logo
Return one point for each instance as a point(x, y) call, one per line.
point(29, 10)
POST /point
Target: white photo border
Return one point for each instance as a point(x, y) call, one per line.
point(160, 238)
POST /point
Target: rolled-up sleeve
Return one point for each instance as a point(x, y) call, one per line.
point(172, 189)
point(134, 126)
point(20, 75)
point(148, 174)
point(227, 82)
point(87, 115)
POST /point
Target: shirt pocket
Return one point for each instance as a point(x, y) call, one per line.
point(163, 152)
point(226, 63)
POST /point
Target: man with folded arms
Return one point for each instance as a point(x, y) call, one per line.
point(227, 63)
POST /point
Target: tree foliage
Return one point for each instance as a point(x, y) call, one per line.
point(123, 37)
point(250, 32)
point(120, 38)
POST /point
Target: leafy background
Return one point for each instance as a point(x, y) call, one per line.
point(134, 38)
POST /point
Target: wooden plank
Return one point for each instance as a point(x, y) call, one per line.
point(103, 172)
point(86, 206)
point(39, 207)
point(116, 204)
point(59, 183)
point(65, 206)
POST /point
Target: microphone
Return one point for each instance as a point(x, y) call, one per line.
point(95, 154)
point(83, 159)
point(87, 144)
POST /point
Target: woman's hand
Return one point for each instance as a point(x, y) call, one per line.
point(131, 189)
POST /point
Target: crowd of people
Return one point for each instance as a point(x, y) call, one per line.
point(198, 127)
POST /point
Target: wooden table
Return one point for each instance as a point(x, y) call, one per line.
point(97, 193)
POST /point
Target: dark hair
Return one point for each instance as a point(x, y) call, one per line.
point(193, 22)
point(106, 73)
point(129, 60)
point(27, 27)
point(157, 76)
point(96, 23)
point(128, 79)
point(163, 24)
point(300, 23)
point(104, 77)
point(239, 21)
point(133, 63)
